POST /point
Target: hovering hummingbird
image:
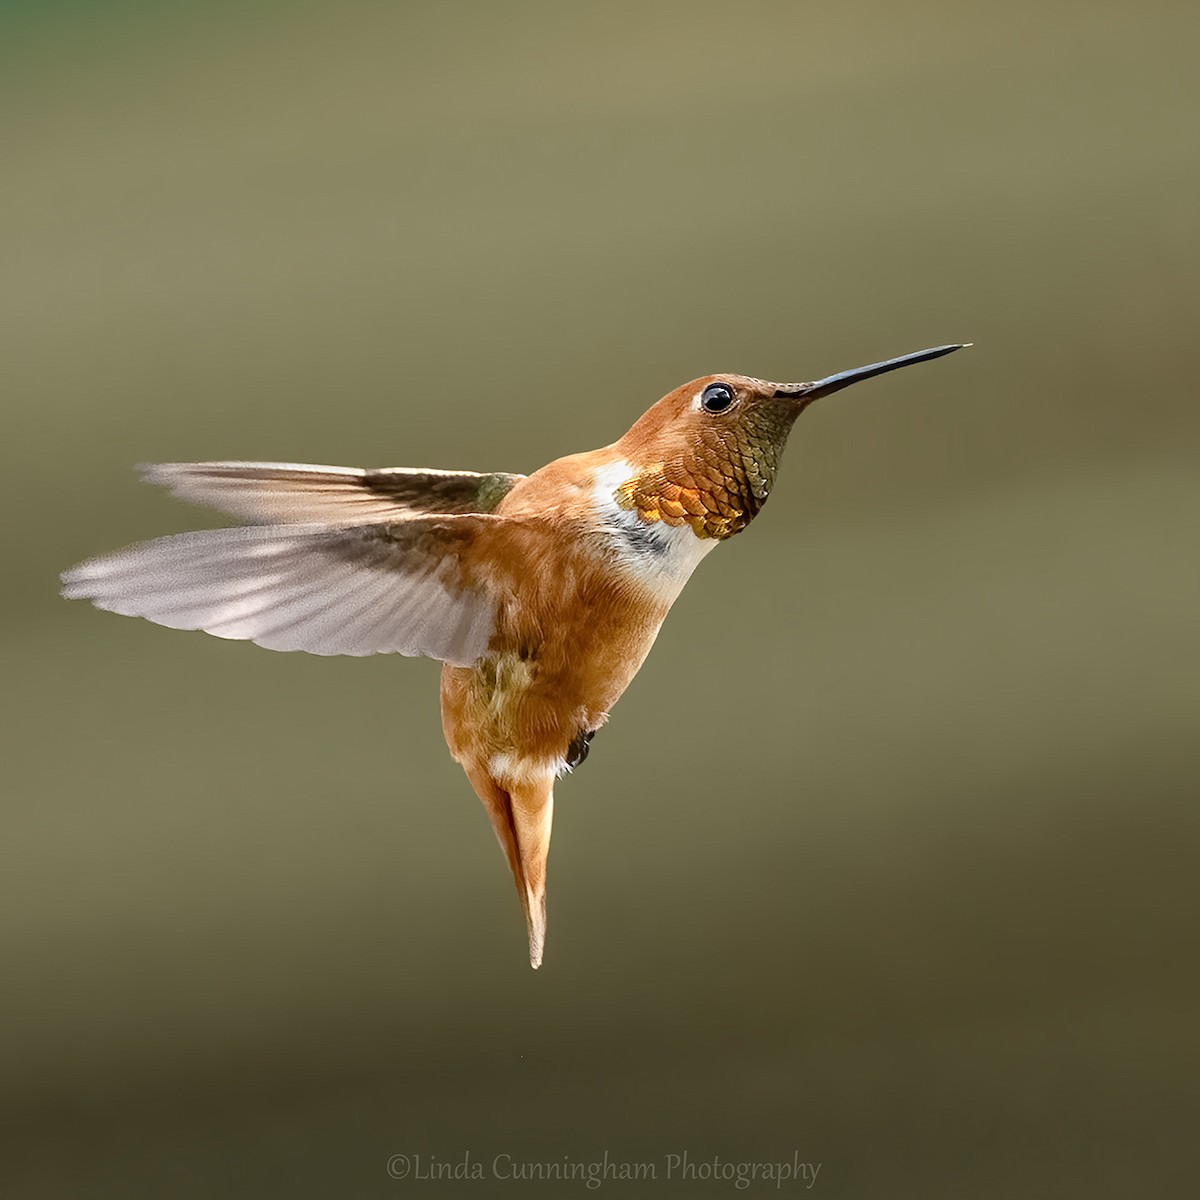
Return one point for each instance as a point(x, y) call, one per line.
point(540, 594)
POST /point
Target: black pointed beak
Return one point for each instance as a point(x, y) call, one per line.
point(834, 383)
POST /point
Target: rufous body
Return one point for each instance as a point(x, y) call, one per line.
point(542, 594)
point(603, 545)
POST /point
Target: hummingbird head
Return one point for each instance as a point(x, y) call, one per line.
point(707, 453)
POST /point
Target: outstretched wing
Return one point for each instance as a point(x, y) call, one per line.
point(401, 588)
point(293, 493)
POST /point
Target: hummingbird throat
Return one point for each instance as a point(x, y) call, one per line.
point(719, 481)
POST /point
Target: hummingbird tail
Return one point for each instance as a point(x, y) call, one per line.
point(521, 815)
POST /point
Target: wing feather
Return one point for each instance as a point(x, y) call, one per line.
point(399, 588)
point(296, 493)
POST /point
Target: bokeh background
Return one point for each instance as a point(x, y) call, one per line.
point(888, 859)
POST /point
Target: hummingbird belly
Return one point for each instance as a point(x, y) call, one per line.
point(567, 644)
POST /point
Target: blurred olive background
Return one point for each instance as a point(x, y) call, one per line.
point(888, 858)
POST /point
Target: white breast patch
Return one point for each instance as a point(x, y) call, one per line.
point(662, 556)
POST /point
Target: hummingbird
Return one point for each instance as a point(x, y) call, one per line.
point(540, 594)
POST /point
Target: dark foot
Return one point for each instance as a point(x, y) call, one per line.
point(577, 751)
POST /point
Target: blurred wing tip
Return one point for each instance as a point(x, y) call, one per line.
point(75, 580)
point(165, 472)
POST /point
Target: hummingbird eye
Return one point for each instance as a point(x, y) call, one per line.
point(717, 397)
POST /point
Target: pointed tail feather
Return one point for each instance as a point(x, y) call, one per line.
point(533, 815)
point(522, 815)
